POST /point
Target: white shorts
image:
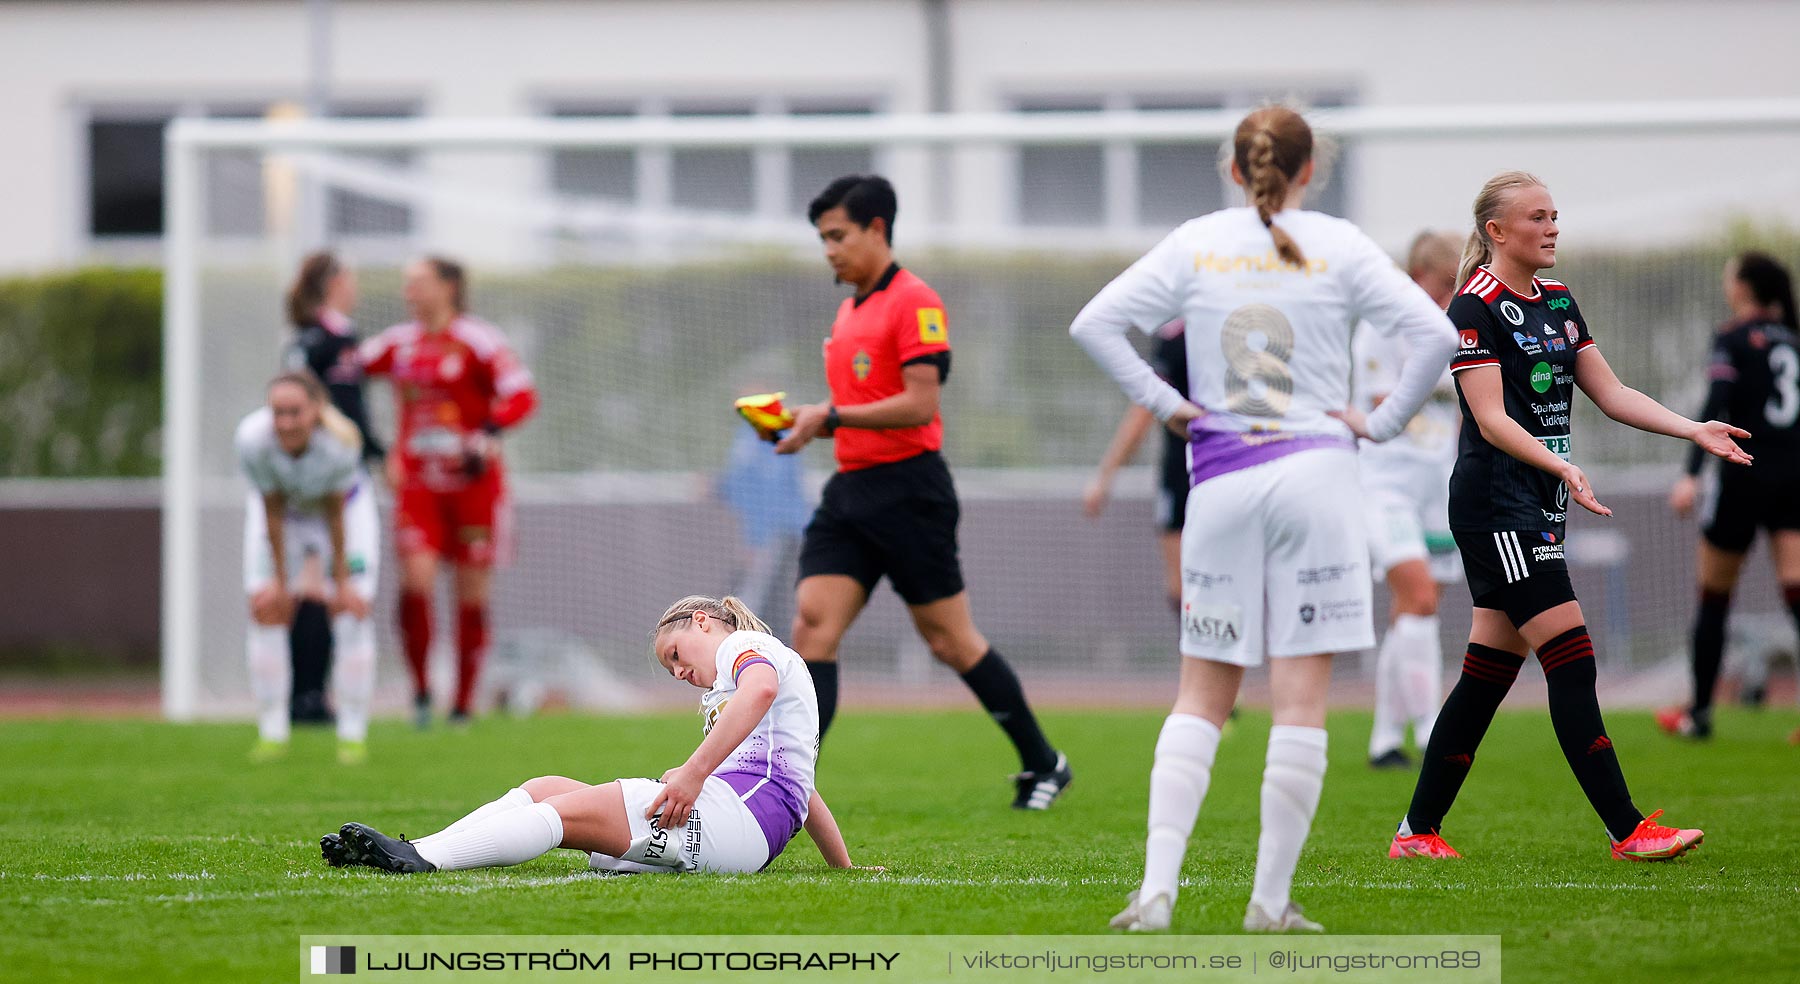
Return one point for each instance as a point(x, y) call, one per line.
point(721, 834)
point(1411, 523)
point(1273, 559)
point(306, 535)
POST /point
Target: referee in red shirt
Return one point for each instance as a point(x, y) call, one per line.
point(891, 509)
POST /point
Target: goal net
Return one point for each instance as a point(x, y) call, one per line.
point(649, 271)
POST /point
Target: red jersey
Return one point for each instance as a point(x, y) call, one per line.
point(448, 385)
point(900, 321)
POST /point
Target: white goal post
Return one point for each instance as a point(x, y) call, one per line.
point(958, 175)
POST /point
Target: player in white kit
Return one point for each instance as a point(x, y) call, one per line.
point(1406, 498)
point(308, 497)
point(731, 807)
point(1273, 549)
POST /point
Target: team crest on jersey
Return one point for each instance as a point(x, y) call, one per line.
point(860, 364)
point(931, 326)
point(1571, 327)
point(1512, 312)
point(451, 367)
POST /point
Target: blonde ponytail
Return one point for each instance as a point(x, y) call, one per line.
point(1271, 146)
point(1493, 197)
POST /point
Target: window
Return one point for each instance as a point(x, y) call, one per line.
point(610, 174)
point(810, 169)
point(722, 180)
point(352, 213)
point(1177, 181)
point(1061, 184)
point(125, 176)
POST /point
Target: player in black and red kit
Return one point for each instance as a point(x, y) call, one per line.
point(1755, 382)
point(1524, 349)
point(318, 305)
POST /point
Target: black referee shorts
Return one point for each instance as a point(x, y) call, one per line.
point(1521, 573)
point(1741, 504)
point(897, 520)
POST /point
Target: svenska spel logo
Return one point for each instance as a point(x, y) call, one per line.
point(334, 960)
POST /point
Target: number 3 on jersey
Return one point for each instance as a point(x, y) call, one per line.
point(1258, 343)
point(1784, 372)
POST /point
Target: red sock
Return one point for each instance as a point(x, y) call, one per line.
point(471, 647)
point(415, 636)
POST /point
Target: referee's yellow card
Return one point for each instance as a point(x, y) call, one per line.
point(931, 327)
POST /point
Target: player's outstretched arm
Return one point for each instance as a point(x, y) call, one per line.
point(823, 829)
point(1633, 409)
point(1132, 428)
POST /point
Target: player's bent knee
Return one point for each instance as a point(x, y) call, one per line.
point(544, 787)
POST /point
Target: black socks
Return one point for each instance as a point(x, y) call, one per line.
point(998, 689)
point(1709, 646)
point(1575, 713)
point(825, 685)
point(1487, 675)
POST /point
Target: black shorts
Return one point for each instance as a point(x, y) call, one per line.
point(1741, 504)
point(898, 520)
point(1520, 573)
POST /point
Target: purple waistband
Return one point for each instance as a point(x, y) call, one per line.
point(1214, 452)
point(772, 804)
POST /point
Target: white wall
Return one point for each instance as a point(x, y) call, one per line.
point(483, 58)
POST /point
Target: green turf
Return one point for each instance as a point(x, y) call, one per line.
point(145, 851)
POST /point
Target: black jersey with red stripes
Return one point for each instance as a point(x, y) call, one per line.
point(1755, 384)
point(1532, 340)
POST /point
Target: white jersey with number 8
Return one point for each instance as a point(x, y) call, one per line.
point(1268, 342)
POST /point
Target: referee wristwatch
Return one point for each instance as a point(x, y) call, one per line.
point(831, 420)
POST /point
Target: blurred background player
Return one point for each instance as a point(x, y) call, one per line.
point(766, 494)
point(751, 780)
point(1754, 383)
point(457, 386)
point(1172, 474)
point(309, 497)
point(891, 509)
point(1524, 349)
point(1406, 489)
point(319, 304)
point(1274, 525)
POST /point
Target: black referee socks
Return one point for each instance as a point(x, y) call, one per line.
point(997, 687)
point(1575, 713)
point(1487, 675)
point(825, 685)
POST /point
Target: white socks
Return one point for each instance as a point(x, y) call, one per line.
point(1292, 779)
point(353, 675)
point(514, 799)
point(503, 837)
point(1178, 781)
point(1421, 672)
point(1409, 683)
point(271, 678)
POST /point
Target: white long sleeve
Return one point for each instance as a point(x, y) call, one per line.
point(1144, 297)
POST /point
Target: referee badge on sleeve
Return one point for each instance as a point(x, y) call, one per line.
point(931, 326)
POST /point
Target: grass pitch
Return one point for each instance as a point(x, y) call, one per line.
point(148, 852)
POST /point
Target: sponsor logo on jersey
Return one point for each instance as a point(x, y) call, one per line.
point(1541, 377)
point(931, 326)
point(1557, 344)
point(1552, 414)
point(1562, 496)
point(1327, 574)
point(1558, 304)
point(1529, 344)
point(1547, 551)
point(1558, 444)
point(1269, 262)
point(1211, 625)
point(1204, 579)
point(1471, 338)
point(1333, 611)
point(1549, 331)
point(860, 364)
point(1548, 537)
point(1306, 613)
point(1512, 312)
